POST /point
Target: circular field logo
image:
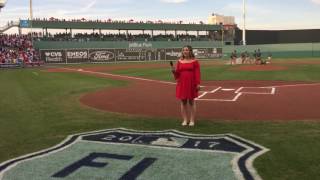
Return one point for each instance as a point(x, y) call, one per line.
point(127, 154)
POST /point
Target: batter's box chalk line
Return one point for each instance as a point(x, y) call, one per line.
point(237, 93)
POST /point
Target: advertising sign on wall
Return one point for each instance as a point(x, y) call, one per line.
point(214, 53)
point(101, 55)
point(150, 55)
point(200, 53)
point(161, 54)
point(130, 54)
point(173, 54)
point(53, 56)
point(76, 56)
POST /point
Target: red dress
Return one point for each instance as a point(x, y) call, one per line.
point(188, 78)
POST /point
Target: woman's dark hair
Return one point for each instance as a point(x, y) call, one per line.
point(190, 52)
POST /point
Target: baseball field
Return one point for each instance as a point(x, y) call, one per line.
point(274, 105)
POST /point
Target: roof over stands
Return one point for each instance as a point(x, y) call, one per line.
point(117, 25)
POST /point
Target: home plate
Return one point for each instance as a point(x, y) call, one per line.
point(79, 69)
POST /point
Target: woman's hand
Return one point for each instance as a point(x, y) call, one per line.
point(173, 70)
point(198, 87)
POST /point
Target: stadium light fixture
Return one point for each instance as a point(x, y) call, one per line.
point(222, 36)
point(30, 21)
point(31, 13)
point(2, 4)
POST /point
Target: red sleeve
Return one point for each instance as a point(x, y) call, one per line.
point(197, 72)
point(176, 73)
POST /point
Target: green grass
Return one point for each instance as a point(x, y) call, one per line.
point(294, 72)
point(291, 74)
point(39, 109)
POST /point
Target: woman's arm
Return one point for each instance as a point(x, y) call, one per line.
point(176, 71)
point(197, 74)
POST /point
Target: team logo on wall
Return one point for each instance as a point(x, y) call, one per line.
point(128, 154)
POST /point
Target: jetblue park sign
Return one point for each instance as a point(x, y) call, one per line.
point(129, 154)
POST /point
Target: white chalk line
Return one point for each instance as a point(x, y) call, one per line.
point(120, 76)
point(272, 91)
point(166, 82)
point(237, 93)
point(222, 100)
point(293, 85)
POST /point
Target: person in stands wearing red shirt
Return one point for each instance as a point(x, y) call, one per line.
point(188, 76)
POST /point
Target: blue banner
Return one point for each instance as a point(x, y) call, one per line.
point(24, 23)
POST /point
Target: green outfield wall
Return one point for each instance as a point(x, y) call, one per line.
point(111, 51)
point(208, 49)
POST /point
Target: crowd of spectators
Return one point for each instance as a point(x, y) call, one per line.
point(17, 49)
point(83, 37)
point(116, 21)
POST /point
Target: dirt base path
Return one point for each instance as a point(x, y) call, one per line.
point(223, 100)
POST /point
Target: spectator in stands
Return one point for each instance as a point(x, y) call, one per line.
point(16, 49)
point(187, 74)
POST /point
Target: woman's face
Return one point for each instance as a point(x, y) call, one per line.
point(186, 52)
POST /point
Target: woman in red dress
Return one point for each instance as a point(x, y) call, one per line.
point(187, 75)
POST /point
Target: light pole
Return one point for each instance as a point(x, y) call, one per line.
point(222, 36)
point(31, 19)
point(31, 15)
point(244, 23)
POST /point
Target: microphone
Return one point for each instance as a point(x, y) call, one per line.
point(172, 68)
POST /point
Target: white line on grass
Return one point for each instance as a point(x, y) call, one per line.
point(120, 76)
point(292, 85)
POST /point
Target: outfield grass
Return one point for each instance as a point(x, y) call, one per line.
point(39, 109)
point(220, 71)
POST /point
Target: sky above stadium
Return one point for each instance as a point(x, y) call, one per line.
point(261, 14)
